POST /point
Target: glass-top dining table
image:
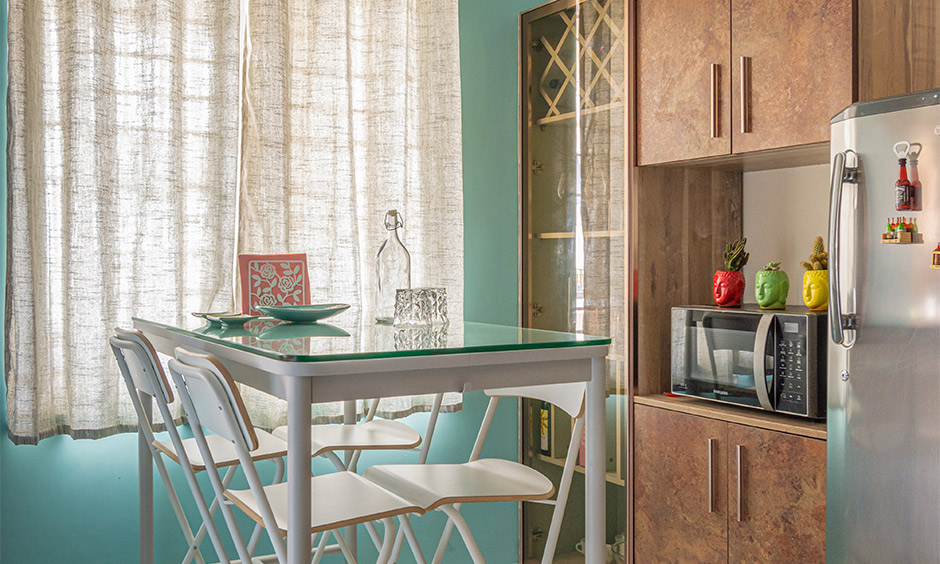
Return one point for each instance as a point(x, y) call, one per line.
point(346, 360)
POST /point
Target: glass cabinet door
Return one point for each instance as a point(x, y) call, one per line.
point(573, 179)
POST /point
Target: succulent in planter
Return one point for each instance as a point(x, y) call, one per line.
point(816, 278)
point(728, 287)
point(819, 260)
point(771, 287)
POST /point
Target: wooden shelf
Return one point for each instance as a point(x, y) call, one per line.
point(611, 477)
point(573, 558)
point(570, 234)
point(786, 157)
point(740, 415)
point(584, 112)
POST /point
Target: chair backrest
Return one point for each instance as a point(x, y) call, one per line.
point(568, 396)
point(273, 280)
point(218, 405)
point(141, 364)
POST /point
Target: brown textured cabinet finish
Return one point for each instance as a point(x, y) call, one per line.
point(783, 485)
point(801, 74)
point(800, 70)
point(671, 519)
point(898, 47)
point(677, 42)
point(784, 498)
point(685, 218)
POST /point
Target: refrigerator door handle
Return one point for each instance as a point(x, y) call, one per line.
point(841, 174)
point(761, 340)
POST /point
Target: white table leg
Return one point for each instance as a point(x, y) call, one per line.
point(145, 486)
point(595, 464)
point(298, 470)
point(349, 418)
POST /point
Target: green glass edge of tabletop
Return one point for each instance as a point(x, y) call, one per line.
point(549, 340)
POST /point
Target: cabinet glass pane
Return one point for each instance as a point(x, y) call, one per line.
point(573, 243)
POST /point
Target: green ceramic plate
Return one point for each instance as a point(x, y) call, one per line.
point(207, 314)
point(303, 313)
point(232, 319)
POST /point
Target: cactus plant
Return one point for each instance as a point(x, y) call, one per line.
point(771, 267)
point(819, 260)
point(734, 256)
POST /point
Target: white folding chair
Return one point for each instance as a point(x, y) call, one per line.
point(447, 486)
point(147, 384)
point(259, 275)
point(340, 499)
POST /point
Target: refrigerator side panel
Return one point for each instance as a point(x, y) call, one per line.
point(883, 467)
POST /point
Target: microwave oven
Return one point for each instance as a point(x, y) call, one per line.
point(773, 360)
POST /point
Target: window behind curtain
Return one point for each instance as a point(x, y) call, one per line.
point(123, 165)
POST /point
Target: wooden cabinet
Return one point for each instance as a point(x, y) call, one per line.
point(679, 43)
point(709, 491)
point(739, 76)
point(795, 60)
point(674, 474)
point(780, 513)
point(898, 47)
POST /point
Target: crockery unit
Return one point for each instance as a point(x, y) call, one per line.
point(572, 239)
point(707, 490)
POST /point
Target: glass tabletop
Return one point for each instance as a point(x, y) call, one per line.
point(347, 339)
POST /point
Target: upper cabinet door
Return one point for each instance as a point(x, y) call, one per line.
point(683, 79)
point(793, 64)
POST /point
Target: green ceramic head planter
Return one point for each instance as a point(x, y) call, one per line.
point(816, 279)
point(771, 287)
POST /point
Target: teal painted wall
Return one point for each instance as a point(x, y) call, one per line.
point(75, 501)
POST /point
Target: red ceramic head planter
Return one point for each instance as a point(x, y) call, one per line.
point(728, 288)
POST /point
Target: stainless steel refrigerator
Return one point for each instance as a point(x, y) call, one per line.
point(883, 470)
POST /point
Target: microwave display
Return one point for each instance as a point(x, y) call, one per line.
point(770, 360)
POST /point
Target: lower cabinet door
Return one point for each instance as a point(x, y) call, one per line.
point(777, 497)
point(679, 462)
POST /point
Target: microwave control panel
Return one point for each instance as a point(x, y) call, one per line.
point(791, 363)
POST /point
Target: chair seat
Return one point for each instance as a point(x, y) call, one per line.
point(339, 499)
point(371, 435)
point(489, 479)
point(223, 451)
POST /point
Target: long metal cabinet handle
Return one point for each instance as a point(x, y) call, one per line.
point(761, 339)
point(711, 475)
point(740, 453)
point(714, 100)
point(745, 90)
point(840, 175)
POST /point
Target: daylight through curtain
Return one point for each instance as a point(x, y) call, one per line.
point(124, 161)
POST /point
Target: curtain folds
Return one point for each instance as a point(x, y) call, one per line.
point(148, 144)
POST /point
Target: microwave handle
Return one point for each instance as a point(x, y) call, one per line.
point(761, 340)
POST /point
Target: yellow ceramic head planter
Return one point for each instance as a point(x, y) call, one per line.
point(816, 279)
point(816, 289)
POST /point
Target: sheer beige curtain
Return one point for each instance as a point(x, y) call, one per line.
point(352, 108)
point(123, 125)
point(129, 141)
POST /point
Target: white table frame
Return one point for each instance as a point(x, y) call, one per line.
point(305, 383)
